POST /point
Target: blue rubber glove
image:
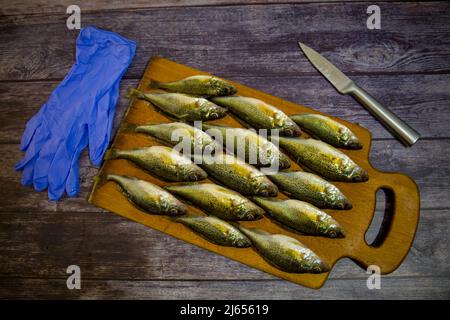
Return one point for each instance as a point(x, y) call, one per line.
point(79, 111)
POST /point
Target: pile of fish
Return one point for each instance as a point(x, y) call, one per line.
point(242, 191)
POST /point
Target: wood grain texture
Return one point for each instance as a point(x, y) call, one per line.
point(42, 245)
point(414, 39)
point(426, 109)
point(387, 255)
point(420, 288)
point(55, 6)
point(410, 53)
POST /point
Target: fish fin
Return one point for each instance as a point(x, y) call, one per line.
point(135, 93)
point(288, 228)
point(242, 122)
point(287, 238)
point(186, 118)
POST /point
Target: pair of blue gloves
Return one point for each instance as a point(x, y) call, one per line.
point(79, 112)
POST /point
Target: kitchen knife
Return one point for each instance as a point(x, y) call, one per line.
point(345, 85)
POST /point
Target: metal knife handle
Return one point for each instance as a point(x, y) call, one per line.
point(398, 127)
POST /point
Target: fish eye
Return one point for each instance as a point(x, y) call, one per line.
point(173, 211)
point(242, 244)
point(192, 176)
point(316, 269)
point(288, 132)
point(332, 234)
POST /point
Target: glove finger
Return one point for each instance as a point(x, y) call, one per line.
point(27, 174)
point(60, 165)
point(100, 128)
point(73, 182)
point(105, 144)
point(37, 142)
point(43, 163)
point(31, 127)
point(95, 124)
point(111, 113)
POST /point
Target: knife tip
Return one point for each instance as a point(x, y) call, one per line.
point(303, 46)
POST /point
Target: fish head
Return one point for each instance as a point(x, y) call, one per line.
point(175, 210)
point(172, 207)
point(246, 212)
point(284, 162)
point(337, 199)
point(353, 143)
point(330, 227)
point(201, 175)
point(242, 242)
point(334, 230)
point(192, 174)
point(222, 88)
point(265, 188)
point(349, 139)
point(209, 110)
point(290, 129)
point(196, 175)
point(317, 266)
point(358, 174)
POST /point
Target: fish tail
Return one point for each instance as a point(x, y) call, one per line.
point(103, 178)
point(111, 154)
point(119, 179)
point(129, 127)
point(236, 225)
point(206, 126)
point(135, 93)
point(171, 189)
point(153, 84)
point(177, 219)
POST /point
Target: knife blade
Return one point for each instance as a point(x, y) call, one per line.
point(338, 79)
point(345, 85)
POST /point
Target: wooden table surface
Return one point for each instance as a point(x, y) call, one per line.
point(406, 65)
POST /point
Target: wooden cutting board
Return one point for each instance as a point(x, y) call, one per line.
point(392, 245)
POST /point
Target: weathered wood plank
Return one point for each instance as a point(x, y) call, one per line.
point(391, 288)
point(42, 245)
point(42, 6)
point(238, 40)
point(425, 162)
point(425, 109)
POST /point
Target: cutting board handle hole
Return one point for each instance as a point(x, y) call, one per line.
point(382, 218)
